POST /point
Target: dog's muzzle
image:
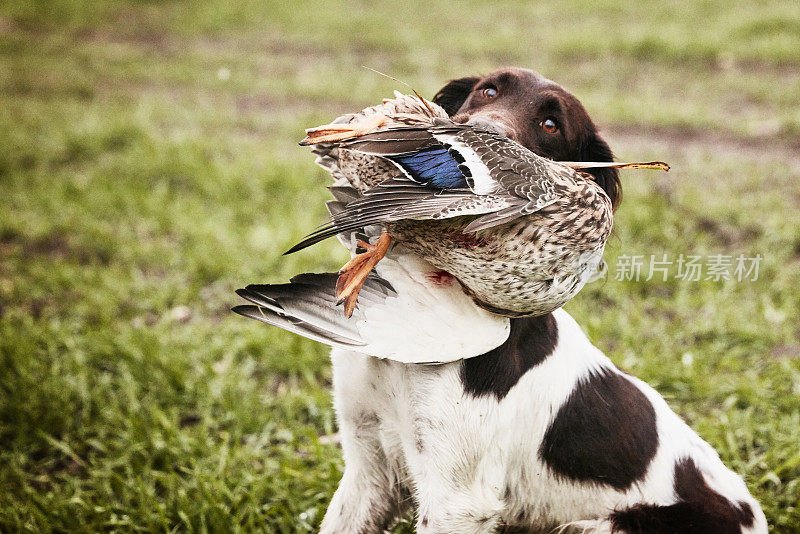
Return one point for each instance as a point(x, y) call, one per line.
point(490, 124)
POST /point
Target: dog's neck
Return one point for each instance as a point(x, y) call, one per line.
point(530, 341)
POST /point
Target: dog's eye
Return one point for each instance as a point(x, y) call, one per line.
point(549, 126)
point(489, 92)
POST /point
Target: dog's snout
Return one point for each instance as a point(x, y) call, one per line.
point(487, 122)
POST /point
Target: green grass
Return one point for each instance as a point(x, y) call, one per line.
point(149, 166)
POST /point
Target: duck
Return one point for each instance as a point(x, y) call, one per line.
point(522, 234)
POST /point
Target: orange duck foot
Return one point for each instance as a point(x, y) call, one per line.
point(353, 275)
point(334, 133)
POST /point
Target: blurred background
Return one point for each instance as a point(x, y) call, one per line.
point(149, 166)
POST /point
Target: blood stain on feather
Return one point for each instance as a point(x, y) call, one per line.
point(467, 240)
point(440, 278)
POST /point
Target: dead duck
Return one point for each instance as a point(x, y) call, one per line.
point(520, 232)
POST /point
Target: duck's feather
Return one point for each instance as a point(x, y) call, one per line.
point(434, 167)
point(391, 201)
point(505, 166)
point(404, 313)
point(447, 170)
point(396, 141)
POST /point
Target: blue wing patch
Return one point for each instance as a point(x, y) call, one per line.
point(437, 167)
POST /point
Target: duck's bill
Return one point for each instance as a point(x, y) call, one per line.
point(654, 165)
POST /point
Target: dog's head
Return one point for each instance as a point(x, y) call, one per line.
point(535, 112)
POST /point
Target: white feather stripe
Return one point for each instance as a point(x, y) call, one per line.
point(482, 181)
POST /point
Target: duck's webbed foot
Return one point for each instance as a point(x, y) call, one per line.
point(353, 275)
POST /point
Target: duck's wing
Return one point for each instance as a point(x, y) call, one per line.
point(527, 180)
point(395, 200)
point(447, 170)
point(404, 313)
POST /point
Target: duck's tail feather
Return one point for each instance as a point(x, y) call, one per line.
point(364, 229)
point(307, 305)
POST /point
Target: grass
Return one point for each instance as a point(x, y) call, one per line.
point(149, 166)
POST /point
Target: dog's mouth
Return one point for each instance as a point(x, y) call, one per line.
point(485, 121)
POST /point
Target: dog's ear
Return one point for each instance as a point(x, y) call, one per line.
point(596, 149)
point(453, 95)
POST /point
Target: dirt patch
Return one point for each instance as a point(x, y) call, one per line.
point(727, 234)
point(785, 352)
point(53, 246)
point(707, 62)
point(5, 26)
point(146, 36)
point(760, 150)
point(150, 40)
point(774, 147)
point(265, 103)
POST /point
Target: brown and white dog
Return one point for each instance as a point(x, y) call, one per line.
point(540, 431)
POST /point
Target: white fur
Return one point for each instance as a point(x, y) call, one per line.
point(412, 428)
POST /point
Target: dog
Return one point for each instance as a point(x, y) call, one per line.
point(540, 433)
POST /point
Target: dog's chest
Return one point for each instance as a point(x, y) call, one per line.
point(419, 411)
point(435, 435)
point(419, 405)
